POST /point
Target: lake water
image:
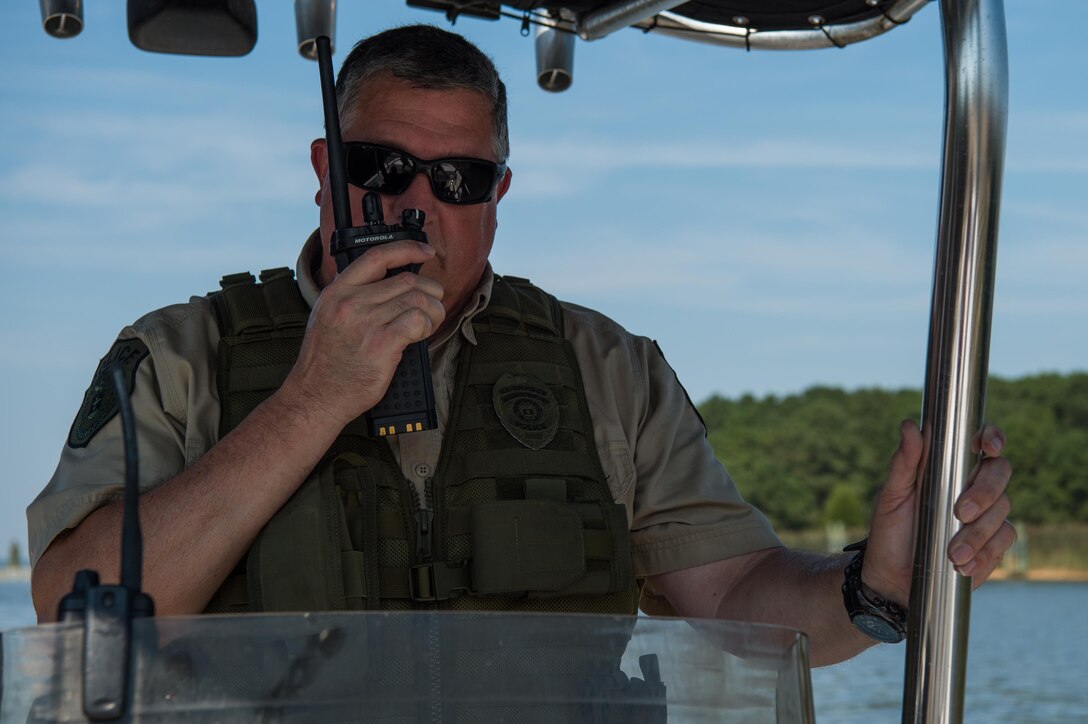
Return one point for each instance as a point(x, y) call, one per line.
point(1027, 660)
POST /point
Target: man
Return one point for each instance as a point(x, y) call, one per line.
point(231, 494)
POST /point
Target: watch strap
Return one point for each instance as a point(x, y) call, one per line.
point(863, 605)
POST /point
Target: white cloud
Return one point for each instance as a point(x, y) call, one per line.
point(1050, 260)
point(605, 155)
point(567, 167)
point(1045, 211)
point(53, 183)
point(1047, 141)
point(1059, 161)
point(1050, 121)
point(138, 173)
point(771, 273)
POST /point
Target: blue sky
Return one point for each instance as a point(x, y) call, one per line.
point(769, 218)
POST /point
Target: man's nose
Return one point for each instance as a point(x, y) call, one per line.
point(418, 195)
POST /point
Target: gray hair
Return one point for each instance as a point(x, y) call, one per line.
point(426, 57)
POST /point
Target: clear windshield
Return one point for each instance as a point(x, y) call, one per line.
point(424, 667)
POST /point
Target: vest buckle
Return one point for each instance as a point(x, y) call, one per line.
point(438, 581)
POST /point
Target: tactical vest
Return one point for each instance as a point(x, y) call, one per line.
point(518, 515)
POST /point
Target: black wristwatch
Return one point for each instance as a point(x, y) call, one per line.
point(874, 616)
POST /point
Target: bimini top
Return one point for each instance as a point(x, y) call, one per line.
point(230, 28)
point(763, 24)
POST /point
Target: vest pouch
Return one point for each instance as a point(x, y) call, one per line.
point(295, 563)
point(547, 549)
point(521, 546)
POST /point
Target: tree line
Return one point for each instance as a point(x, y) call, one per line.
point(820, 456)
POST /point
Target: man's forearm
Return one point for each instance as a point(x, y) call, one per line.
point(802, 591)
point(199, 524)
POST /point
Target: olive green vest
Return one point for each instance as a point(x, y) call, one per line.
point(518, 515)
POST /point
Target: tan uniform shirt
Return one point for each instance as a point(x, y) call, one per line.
point(681, 504)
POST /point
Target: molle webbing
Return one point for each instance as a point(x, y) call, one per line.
point(523, 519)
point(542, 520)
point(261, 327)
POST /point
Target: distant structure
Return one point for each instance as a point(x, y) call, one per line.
point(1015, 562)
point(15, 571)
point(836, 536)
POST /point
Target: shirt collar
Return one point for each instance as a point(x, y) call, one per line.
point(309, 260)
point(476, 304)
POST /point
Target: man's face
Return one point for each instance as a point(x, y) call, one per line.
point(428, 124)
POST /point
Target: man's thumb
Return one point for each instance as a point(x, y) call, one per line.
point(903, 471)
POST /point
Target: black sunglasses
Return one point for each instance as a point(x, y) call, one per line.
point(390, 171)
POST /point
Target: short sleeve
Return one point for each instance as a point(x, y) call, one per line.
point(176, 408)
point(683, 507)
point(688, 510)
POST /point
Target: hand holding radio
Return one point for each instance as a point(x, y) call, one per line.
point(360, 326)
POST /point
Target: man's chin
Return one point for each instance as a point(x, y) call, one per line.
point(434, 268)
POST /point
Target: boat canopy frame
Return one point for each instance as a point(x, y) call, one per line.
point(961, 309)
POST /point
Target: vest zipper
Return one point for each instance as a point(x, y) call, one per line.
point(424, 515)
point(424, 519)
point(424, 512)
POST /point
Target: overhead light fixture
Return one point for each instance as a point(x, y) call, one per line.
point(62, 18)
point(554, 59)
point(314, 18)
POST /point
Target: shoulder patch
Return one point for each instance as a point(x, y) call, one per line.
point(100, 401)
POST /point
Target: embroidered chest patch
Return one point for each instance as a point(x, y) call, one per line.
point(527, 409)
point(100, 401)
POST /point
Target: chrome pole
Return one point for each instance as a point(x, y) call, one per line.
point(976, 108)
point(616, 16)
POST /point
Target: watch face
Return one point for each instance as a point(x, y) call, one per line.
point(877, 628)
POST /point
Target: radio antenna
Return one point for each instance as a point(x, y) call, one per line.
point(334, 145)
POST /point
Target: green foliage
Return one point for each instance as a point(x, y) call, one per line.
point(844, 505)
point(819, 456)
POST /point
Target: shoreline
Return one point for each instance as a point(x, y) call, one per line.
point(21, 574)
point(14, 574)
point(1037, 575)
point(1042, 575)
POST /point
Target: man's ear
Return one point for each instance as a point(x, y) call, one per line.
point(319, 158)
point(504, 185)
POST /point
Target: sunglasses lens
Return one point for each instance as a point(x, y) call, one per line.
point(462, 182)
point(389, 171)
point(379, 169)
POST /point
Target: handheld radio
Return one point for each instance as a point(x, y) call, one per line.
point(408, 404)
